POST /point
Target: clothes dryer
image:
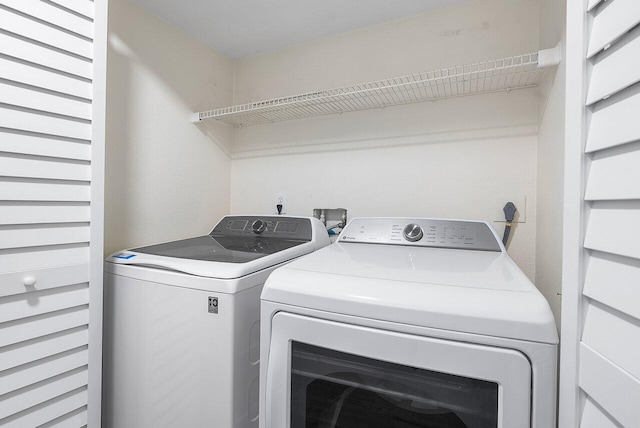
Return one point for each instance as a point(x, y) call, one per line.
point(407, 323)
point(182, 323)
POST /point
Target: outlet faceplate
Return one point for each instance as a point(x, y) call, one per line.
point(520, 201)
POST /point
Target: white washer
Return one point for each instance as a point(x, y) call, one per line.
point(182, 323)
point(407, 323)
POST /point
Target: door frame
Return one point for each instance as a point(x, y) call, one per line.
point(96, 229)
point(472, 360)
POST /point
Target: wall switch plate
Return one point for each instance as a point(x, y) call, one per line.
point(520, 201)
point(281, 199)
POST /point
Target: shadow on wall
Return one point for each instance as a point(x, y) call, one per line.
point(197, 77)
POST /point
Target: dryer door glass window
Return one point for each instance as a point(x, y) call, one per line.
point(331, 389)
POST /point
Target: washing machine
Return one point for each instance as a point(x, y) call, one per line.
point(407, 323)
point(181, 339)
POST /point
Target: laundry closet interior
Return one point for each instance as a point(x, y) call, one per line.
point(194, 133)
point(450, 158)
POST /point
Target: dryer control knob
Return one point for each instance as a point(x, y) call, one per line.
point(412, 232)
point(258, 226)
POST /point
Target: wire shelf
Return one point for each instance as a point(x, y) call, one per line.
point(506, 74)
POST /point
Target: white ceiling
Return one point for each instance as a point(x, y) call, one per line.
point(240, 28)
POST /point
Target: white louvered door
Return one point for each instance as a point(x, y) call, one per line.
point(600, 363)
point(52, 56)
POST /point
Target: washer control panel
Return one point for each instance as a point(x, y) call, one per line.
point(422, 232)
point(265, 226)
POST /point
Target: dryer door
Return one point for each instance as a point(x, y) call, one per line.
point(324, 374)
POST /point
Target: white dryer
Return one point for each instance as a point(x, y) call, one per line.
point(182, 323)
point(407, 323)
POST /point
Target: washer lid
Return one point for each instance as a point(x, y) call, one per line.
point(481, 292)
point(236, 247)
point(216, 248)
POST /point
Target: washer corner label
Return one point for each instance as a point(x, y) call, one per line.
point(213, 305)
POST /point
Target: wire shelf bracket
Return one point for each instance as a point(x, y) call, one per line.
point(506, 74)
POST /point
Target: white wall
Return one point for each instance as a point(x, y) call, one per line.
point(445, 159)
point(551, 161)
point(165, 179)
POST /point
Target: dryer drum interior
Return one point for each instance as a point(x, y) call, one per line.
point(331, 389)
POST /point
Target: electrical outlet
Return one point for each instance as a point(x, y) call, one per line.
point(520, 201)
point(281, 199)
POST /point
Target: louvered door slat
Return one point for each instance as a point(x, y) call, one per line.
point(49, 125)
point(43, 213)
point(27, 352)
point(593, 417)
point(592, 4)
point(619, 395)
point(43, 325)
point(618, 68)
point(45, 279)
point(612, 22)
point(43, 257)
point(615, 175)
point(53, 16)
point(22, 166)
point(45, 102)
point(30, 29)
point(45, 145)
point(614, 228)
point(607, 332)
point(76, 418)
point(84, 8)
point(22, 236)
point(42, 392)
point(35, 303)
point(614, 281)
point(43, 56)
point(616, 123)
point(43, 190)
point(44, 79)
point(46, 412)
point(37, 371)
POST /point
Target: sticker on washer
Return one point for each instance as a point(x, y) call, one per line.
point(124, 256)
point(213, 305)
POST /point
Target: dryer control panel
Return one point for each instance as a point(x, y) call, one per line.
point(422, 232)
